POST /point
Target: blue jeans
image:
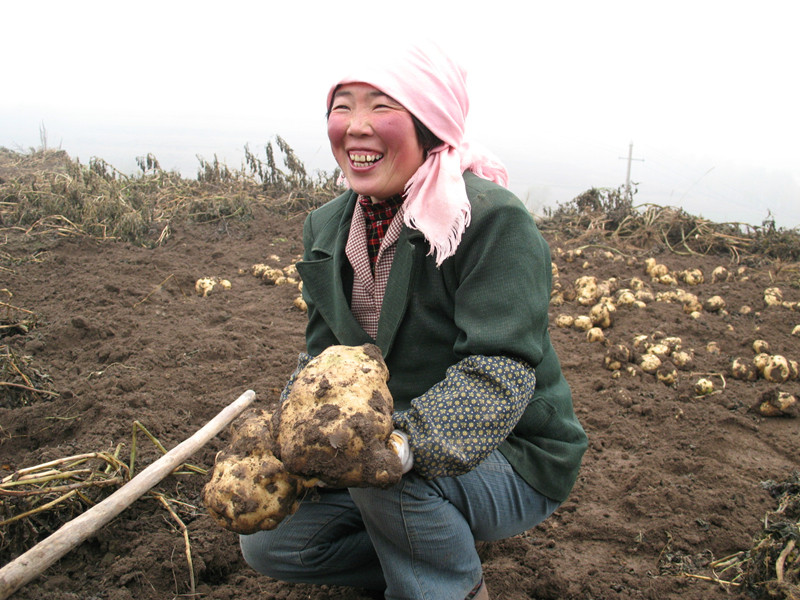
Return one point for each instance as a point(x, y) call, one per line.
point(415, 539)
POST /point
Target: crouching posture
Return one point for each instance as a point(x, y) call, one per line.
point(431, 259)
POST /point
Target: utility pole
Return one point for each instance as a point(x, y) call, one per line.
point(628, 176)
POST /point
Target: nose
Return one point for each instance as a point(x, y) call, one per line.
point(359, 124)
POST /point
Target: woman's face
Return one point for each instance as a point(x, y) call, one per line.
point(373, 140)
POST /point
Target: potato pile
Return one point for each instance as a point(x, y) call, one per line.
point(205, 285)
point(604, 298)
point(657, 354)
point(287, 275)
point(774, 368)
point(333, 429)
point(591, 305)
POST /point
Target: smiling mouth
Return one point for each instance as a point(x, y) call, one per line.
point(364, 160)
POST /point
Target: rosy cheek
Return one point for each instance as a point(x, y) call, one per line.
point(393, 130)
point(336, 128)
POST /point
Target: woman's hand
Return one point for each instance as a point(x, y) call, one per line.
point(398, 441)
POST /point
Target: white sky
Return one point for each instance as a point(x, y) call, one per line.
point(707, 91)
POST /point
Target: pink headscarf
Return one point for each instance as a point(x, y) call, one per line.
point(432, 87)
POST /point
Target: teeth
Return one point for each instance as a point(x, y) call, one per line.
point(365, 159)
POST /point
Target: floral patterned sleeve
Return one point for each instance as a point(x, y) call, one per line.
point(462, 419)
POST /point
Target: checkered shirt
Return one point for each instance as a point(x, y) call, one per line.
point(381, 230)
point(377, 218)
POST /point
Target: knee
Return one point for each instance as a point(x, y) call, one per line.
point(365, 495)
point(252, 550)
point(371, 499)
point(259, 553)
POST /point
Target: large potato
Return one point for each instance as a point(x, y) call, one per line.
point(250, 489)
point(337, 419)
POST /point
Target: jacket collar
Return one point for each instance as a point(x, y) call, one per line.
point(323, 280)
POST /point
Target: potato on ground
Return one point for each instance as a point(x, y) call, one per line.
point(337, 420)
point(250, 490)
point(775, 403)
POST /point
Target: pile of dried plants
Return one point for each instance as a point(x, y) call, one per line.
point(771, 567)
point(46, 190)
point(20, 382)
point(604, 215)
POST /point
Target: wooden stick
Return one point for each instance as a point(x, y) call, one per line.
point(36, 560)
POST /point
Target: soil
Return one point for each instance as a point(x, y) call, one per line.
point(671, 480)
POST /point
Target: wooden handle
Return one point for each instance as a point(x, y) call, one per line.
point(36, 560)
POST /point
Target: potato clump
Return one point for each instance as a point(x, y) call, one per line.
point(333, 429)
point(250, 489)
point(338, 418)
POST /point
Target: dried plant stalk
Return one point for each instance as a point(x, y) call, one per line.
point(36, 560)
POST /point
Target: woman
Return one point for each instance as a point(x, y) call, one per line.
point(429, 257)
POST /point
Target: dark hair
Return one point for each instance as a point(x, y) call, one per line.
point(426, 138)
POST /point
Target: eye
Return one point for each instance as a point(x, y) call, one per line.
point(388, 106)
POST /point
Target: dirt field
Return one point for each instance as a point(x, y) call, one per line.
point(671, 481)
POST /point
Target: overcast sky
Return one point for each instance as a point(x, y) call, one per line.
point(706, 91)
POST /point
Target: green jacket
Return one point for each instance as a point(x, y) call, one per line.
point(490, 298)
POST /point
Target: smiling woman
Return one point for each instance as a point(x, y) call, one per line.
point(374, 141)
point(430, 258)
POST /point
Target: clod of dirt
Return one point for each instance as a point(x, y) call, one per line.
point(744, 369)
point(337, 420)
point(617, 356)
point(667, 373)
